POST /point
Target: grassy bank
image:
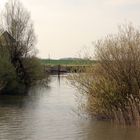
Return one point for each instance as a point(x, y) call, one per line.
point(67, 62)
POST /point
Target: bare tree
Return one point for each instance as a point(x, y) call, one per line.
point(112, 86)
point(20, 38)
point(19, 25)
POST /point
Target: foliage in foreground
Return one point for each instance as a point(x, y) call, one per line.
point(11, 82)
point(112, 87)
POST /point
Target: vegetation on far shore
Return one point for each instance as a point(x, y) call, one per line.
point(67, 62)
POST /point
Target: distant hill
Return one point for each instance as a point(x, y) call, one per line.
point(70, 58)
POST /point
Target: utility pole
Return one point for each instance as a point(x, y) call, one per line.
point(49, 59)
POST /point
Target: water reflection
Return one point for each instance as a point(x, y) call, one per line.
point(47, 114)
point(59, 80)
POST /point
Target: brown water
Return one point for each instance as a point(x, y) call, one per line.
point(49, 114)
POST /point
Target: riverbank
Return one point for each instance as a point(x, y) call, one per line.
point(58, 69)
point(66, 66)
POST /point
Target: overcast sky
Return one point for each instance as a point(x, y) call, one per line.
point(65, 27)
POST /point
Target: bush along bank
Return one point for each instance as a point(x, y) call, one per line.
point(112, 87)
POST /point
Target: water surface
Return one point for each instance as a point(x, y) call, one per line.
point(49, 114)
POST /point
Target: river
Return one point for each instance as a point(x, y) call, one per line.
point(50, 114)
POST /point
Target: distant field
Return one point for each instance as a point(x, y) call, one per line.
point(67, 62)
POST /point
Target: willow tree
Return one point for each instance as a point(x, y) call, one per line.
point(20, 42)
point(112, 86)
